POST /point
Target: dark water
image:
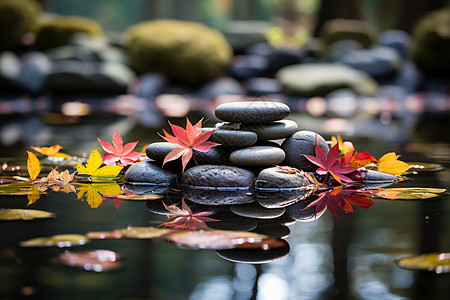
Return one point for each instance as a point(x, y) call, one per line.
point(350, 257)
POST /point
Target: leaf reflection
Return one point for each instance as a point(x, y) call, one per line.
point(94, 192)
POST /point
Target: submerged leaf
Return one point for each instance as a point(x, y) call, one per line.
point(60, 241)
point(24, 214)
point(144, 232)
point(436, 262)
point(222, 239)
point(408, 193)
point(33, 165)
point(94, 169)
point(90, 260)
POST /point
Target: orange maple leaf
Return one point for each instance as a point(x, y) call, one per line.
point(390, 164)
point(189, 139)
point(50, 151)
point(344, 147)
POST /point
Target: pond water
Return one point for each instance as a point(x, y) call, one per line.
point(351, 256)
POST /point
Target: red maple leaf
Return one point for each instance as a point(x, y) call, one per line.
point(188, 140)
point(338, 197)
point(118, 154)
point(331, 163)
point(357, 160)
point(184, 219)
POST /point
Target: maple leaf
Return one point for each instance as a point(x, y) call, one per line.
point(33, 165)
point(184, 219)
point(358, 160)
point(390, 164)
point(344, 147)
point(338, 197)
point(56, 181)
point(118, 154)
point(189, 139)
point(331, 164)
point(94, 169)
point(51, 151)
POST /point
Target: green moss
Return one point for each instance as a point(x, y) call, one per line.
point(343, 29)
point(430, 47)
point(58, 31)
point(17, 17)
point(186, 52)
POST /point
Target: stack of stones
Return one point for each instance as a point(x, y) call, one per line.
point(256, 139)
point(249, 129)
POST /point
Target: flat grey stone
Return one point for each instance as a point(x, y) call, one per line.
point(273, 130)
point(254, 210)
point(302, 142)
point(234, 139)
point(217, 176)
point(252, 112)
point(149, 172)
point(275, 178)
point(257, 156)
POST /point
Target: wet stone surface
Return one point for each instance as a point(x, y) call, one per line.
point(252, 112)
point(148, 171)
point(217, 176)
point(273, 130)
point(275, 178)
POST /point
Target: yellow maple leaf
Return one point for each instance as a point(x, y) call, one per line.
point(33, 195)
point(94, 169)
point(344, 147)
point(50, 151)
point(33, 165)
point(390, 164)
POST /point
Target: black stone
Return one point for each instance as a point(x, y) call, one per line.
point(273, 130)
point(302, 142)
point(254, 210)
point(217, 176)
point(149, 172)
point(216, 197)
point(254, 256)
point(234, 139)
point(252, 112)
point(275, 178)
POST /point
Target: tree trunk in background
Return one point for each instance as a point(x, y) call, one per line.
point(410, 11)
point(332, 9)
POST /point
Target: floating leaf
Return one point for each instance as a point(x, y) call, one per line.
point(105, 235)
point(144, 232)
point(24, 214)
point(222, 239)
point(436, 262)
point(118, 154)
point(51, 151)
point(420, 166)
point(60, 241)
point(94, 192)
point(408, 193)
point(138, 197)
point(90, 260)
point(33, 165)
point(390, 164)
point(94, 169)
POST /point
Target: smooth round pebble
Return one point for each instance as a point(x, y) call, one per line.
point(302, 142)
point(148, 172)
point(234, 139)
point(257, 156)
point(275, 177)
point(217, 176)
point(252, 112)
point(273, 130)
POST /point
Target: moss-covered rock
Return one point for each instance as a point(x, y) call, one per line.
point(186, 52)
point(430, 46)
point(55, 31)
point(17, 17)
point(344, 29)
